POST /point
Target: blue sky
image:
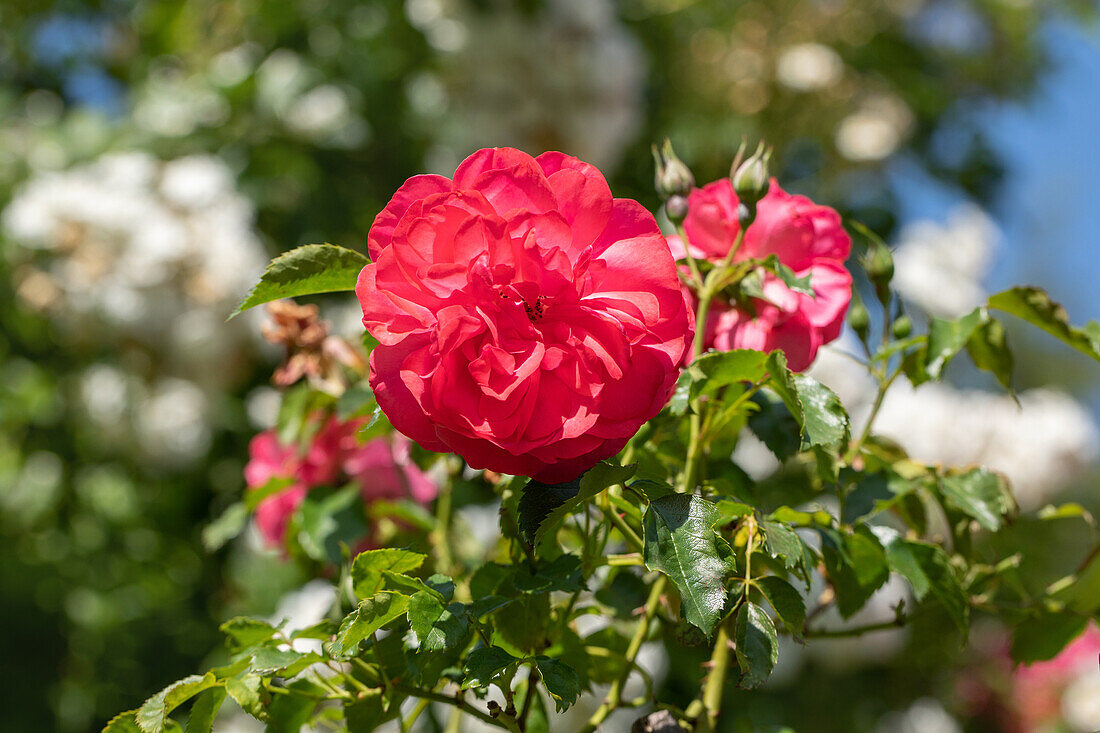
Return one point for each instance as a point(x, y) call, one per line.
point(1048, 207)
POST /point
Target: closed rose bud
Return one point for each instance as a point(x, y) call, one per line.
point(879, 263)
point(672, 177)
point(751, 178)
point(676, 208)
point(902, 327)
point(858, 317)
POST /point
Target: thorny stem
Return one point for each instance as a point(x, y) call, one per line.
point(614, 695)
point(451, 700)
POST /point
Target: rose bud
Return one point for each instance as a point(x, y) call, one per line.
point(751, 180)
point(902, 327)
point(672, 177)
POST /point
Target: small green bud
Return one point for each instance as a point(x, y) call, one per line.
point(858, 317)
point(750, 178)
point(878, 262)
point(672, 177)
point(676, 208)
point(902, 327)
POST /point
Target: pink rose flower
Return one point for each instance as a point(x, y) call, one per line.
point(806, 237)
point(382, 467)
point(528, 321)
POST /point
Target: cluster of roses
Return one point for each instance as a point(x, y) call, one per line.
point(531, 323)
point(382, 468)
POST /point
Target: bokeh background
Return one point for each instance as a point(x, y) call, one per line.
point(155, 153)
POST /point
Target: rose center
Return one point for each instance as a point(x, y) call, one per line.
point(534, 308)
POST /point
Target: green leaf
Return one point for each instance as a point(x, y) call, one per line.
point(787, 276)
point(757, 645)
point(543, 506)
point(243, 632)
point(244, 688)
point(979, 493)
point(782, 543)
point(253, 497)
point(561, 682)
point(713, 370)
point(485, 664)
point(204, 709)
point(312, 268)
point(438, 625)
point(268, 660)
point(368, 566)
point(1084, 595)
point(786, 601)
point(368, 711)
point(289, 713)
point(1042, 637)
point(948, 337)
point(369, 616)
point(335, 520)
point(821, 418)
point(123, 723)
point(563, 574)
point(928, 570)
point(1070, 510)
point(408, 586)
point(856, 565)
point(227, 526)
point(730, 510)
point(680, 541)
point(152, 715)
point(1035, 306)
point(357, 401)
point(522, 623)
point(988, 348)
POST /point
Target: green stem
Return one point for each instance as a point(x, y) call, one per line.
point(631, 536)
point(450, 700)
point(440, 535)
point(880, 395)
point(614, 695)
point(855, 630)
point(692, 264)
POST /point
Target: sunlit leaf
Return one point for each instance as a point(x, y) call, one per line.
point(680, 541)
point(312, 268)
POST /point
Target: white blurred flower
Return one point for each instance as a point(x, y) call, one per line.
point(875, 130)
point(320, 112)
point(1040, 445)
point(196, 181)
point(172, 105)
point(139, 242)
point(104, 392)
point(808, 67)
point(171, 424)
point(1081, 702)
point(926, 715)
point(940, 266)
point(262, 406)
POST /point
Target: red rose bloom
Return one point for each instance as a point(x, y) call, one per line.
point(528, 321)
point(806, 237)
point(382, 468)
